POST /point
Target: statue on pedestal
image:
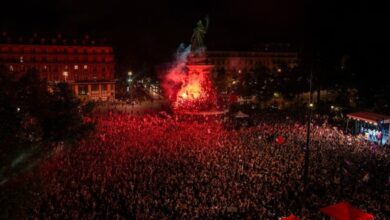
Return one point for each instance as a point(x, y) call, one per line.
point(199, 33)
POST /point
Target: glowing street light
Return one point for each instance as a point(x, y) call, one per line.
point(311, 105)
point(65, 74)
point(129, 80)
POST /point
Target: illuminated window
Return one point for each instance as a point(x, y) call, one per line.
point(83, 89)
point(85, 67)
point(76, 67)
point(11, 68)
point(21, 59)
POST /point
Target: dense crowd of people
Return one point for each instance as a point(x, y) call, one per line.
point(161, 167)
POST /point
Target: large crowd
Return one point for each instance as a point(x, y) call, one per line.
point(161, 167)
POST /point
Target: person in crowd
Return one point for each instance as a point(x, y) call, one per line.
point(157, 166)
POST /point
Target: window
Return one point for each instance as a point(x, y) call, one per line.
point(76, 67)
point(95, 87)
point(85, 67)
point(83, 90)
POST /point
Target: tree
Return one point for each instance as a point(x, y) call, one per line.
point(264, 82)
point(31, 113)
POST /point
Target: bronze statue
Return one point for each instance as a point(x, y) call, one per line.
point(199, 33)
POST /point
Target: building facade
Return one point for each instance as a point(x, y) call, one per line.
point(234, 66)
point(237, 61)
point(88, 69)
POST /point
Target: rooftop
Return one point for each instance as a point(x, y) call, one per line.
point(369, 117)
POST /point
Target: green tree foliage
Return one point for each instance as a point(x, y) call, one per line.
point(259, 81)
point(31, 112)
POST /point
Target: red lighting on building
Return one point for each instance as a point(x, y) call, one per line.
point(60, 63)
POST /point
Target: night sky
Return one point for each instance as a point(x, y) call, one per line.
point(148, 32)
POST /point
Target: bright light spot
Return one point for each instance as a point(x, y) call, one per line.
point(129, 80)
point(85, 67)
point(76, 67)
point(276, 94)
point(130, 73)
point(239, 71)
point(18, 109)
point(332, 107)
point(279, 70)
point(65, 73)
point(311, 105)
point(21, 59)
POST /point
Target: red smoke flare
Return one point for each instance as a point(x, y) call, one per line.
point(190, 88)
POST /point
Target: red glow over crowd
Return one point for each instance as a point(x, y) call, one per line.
point(188, 87)
point(161, 167)
point(192, 89)
point(196, 92)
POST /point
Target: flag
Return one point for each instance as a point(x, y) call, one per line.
point(280, 140)
point(344, 211)
point(290, 217)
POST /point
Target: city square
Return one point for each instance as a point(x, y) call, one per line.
point(277, 111)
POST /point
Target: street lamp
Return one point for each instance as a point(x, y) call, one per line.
point(65, 74)
point(305, 177)
point(129, 80)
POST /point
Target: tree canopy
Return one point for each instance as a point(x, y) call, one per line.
point(33, 112)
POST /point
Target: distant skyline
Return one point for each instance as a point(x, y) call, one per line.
point(148, 32)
